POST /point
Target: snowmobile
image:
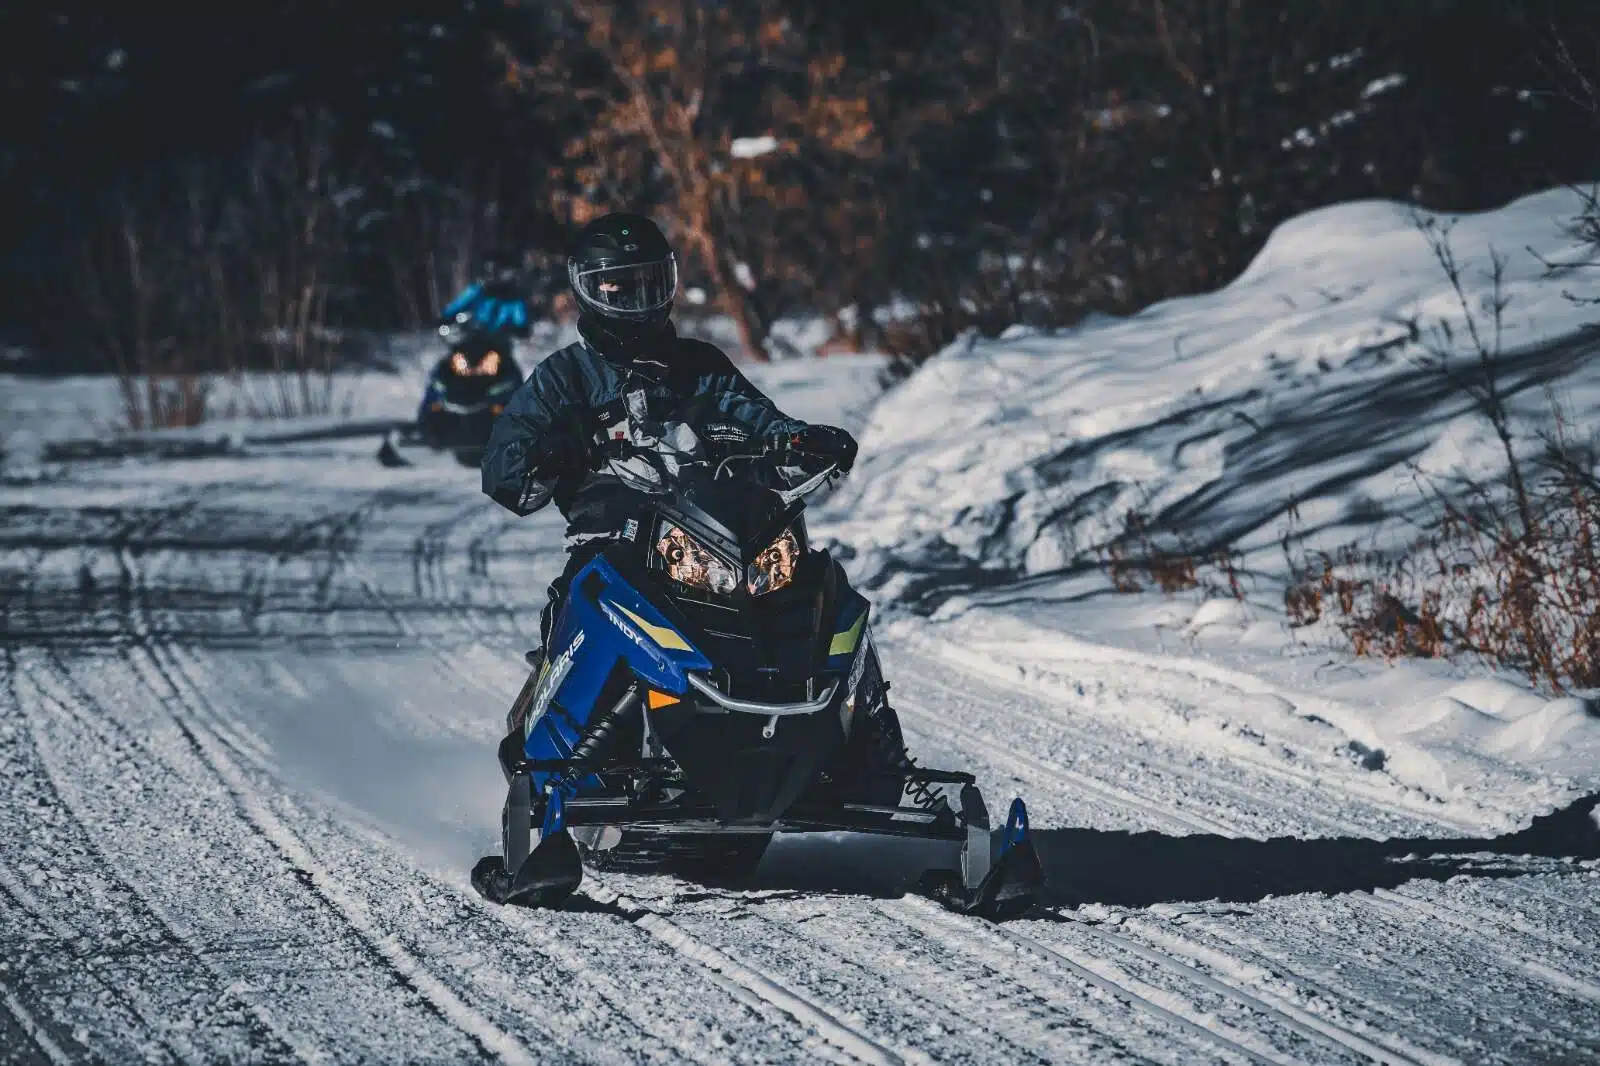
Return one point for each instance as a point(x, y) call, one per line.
point(465, 393)
point(711, 680)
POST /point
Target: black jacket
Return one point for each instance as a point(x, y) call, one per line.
point(578, 397)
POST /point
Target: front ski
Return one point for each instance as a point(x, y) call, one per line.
point(389, 451)
point(549, 874)
point(1000, 874)
point(528, 876)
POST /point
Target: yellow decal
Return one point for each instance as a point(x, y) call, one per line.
point(845, 643)
point(665, 636)
point(657, 700)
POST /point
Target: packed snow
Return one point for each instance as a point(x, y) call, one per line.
point(249, 701)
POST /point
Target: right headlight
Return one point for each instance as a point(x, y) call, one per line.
point(692, 563)
point(774, 567)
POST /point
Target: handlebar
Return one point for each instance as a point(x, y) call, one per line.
point(617, 450)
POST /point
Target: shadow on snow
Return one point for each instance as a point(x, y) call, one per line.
point(1129, 869)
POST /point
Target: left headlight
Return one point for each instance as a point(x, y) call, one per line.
point(774, 567)
point(693, 564)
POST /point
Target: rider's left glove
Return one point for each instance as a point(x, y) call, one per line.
point(821, 442)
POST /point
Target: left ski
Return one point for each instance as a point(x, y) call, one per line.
point(1000, 875)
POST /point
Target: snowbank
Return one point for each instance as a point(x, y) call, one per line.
point(1298, 382)
point(993, 477)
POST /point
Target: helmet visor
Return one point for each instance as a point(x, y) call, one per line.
point(628, 290)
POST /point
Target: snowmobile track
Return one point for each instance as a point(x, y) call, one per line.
point(1284, 1013)
point(183, 957)
point(1162, 1005)
point(855, 1043)
point(122, 910)
point(1130, 678)
point(1288, 978)
point(1496, 946)
point(1394, 1048)
point(1309, 977)
point(405, 970)
point(33, 1030)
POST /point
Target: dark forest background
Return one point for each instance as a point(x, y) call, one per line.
point(213, 187)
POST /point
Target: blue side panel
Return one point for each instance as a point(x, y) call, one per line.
point(592, 634)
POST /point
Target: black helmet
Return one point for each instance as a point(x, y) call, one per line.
point(623, 270)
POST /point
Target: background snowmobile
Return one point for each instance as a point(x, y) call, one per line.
point(465, 393)
point(712, 680)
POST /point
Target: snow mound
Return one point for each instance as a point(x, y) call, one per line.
point(1301, 381)
point(992, 480)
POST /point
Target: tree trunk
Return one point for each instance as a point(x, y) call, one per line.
point(738, 304)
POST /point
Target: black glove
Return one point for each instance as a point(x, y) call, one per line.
point(822, 442)
point(562, 453)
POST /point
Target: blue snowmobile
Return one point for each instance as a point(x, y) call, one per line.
point(465, 392)
point(711, 680)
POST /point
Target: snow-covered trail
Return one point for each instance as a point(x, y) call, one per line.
point(247, 719)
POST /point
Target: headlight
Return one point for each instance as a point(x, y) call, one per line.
point(490, 365)
point(691, 563)
point(774, 567)
point(459, 365)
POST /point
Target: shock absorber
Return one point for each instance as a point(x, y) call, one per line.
point(602, 729)
point(889, 751)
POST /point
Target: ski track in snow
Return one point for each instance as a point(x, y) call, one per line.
point(200, 864)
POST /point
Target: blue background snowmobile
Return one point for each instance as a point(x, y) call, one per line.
point(465, 392)
point(712, 680)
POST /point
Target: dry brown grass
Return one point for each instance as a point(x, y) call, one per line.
point(164, 401)
point(1139, 559)
point(1525, 599)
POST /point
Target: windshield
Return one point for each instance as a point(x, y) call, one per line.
point(700, 441)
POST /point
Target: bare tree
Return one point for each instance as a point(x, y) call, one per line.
point(728, 117)
point(1574, 64)
point(223, 269)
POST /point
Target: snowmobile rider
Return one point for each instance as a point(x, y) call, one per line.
point(628, 371)
point(497, 301)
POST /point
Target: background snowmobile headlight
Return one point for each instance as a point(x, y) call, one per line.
point(693, 564)
point(489, 366)
point(459, 365)
point(774, 567)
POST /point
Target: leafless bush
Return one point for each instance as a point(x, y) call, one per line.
point(1510, 571)
point(1576, 67)
point(1527, 601)
point(1370, 599)
point(223, 271)
point(448, 232)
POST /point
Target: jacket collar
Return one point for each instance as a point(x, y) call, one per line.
point(648, 354)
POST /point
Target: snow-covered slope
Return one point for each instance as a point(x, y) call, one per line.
point(1305, 386)
point(1299, 382)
